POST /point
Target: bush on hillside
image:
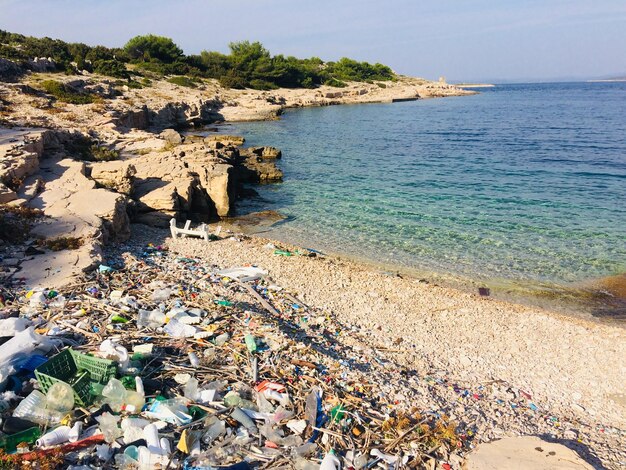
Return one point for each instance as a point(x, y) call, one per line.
point(248, 65)
point(182, 81)
point(63, 93)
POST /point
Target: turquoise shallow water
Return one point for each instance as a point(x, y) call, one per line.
point(522, 183)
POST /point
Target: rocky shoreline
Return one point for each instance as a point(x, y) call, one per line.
point(53, 156)
point(519, 370)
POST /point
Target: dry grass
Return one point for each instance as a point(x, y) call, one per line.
point(63, 243)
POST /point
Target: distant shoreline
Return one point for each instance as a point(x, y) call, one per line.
point(474, 85)
point(609, 80)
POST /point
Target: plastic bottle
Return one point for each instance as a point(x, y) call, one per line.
point(133, 401)
point(151, 435)
point(214, 431)
point(139, 386)
point(178, 329)
point(150, 318)
point(57, 436)
point(222, 339)
point(13, 425)
point(244, 419)
point(194, 359)
point(75, 432)
point(60, 397)
point(33, 408)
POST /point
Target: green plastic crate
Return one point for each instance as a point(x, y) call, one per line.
point(77, 370)
point(9, 443)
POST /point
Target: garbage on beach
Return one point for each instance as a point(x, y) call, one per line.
point(166, 361)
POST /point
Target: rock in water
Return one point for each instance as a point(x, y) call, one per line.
point(526, 452)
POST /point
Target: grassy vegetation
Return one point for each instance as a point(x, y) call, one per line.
point(103, 154)
point(247, 65)
point(84, 148)
point(63, 243)
point(182, 81)
point(65, 94)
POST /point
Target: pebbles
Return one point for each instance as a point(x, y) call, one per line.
point(583, 368)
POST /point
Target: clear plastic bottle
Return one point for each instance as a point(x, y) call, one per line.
point(33, 408)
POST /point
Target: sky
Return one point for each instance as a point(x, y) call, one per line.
point(463, 40)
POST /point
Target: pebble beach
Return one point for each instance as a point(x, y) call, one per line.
point(495, 368)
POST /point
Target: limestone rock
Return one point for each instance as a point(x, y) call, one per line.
point(263, 152)
point(133, 118)
point(256, 170)
point(515, 453)
point(116, 175)
point(57, 268)
point(6, 194)
point(155, 218)
point(171, 137)
point(42, 64)
point(154, 194)
point(224, 139)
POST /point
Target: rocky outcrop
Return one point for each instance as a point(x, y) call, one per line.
point(224, 140)
point(199, 178)
point(42, 64)
point(9, 70)
point(116, 175)
point(171, 137)
point(76, 211)
point(269, 153)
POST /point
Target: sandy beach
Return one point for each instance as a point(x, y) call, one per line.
point(427, 342)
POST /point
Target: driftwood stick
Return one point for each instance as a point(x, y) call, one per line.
point(258, 296)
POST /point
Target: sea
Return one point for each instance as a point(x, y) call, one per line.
point(520, 189)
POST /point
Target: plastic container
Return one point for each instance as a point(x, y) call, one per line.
point(60, 397)
point(78, 371)
point(33, 408)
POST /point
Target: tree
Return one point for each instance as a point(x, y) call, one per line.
point(145, 48)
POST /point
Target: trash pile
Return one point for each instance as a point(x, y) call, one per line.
point(157, 361)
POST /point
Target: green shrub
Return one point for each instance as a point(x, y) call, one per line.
point(83, 147)
point(111, 68)
point(102, 154)
point(262, 85)
point(182, 81)
point(65, 94)
point(336, 83)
